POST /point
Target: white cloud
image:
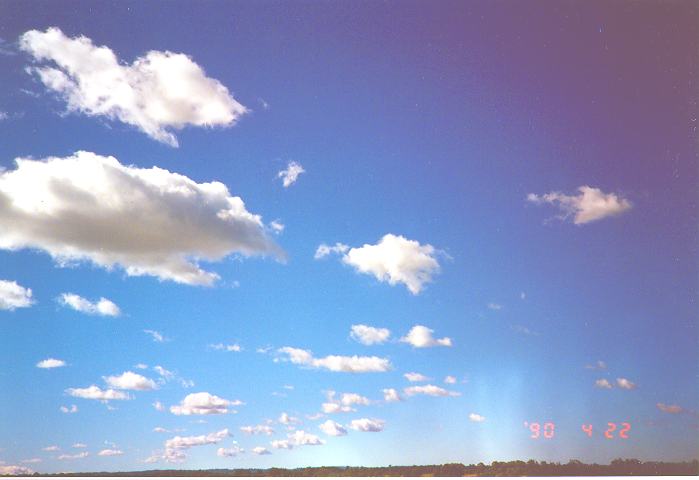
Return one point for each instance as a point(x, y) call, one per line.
point(599, 365)
point(15, 470)
point(203, 403)
point(160, 430)
point(589, 205)
point(102, 307)
point(391, 395)
point(495, 306)
point(75, 456)
point(337, 363)
point(93, 392)
point(415, 377)
point(369, 335)
point(51, 363)
point(110, 452)
point(141, 366)
point(333, 429)
point(130, 381)
point(181, 443)
point(58, 205)
point(157, 336)
point(421, 337)
point(367, 425)
point(158, 92)
point(299, 438)
point(279, 444)
point(261, 451)
point(450, 380)
point(669, 408)
point(166, 374)
point(229, 452)
point(324, 250)
point(228, 348)
point(395, 259)
point(71, 409)
point(79, 445)
point(13, 295)
point(257, 430)
point(603, 383)
point(290, 174)
point(286, 419)
point(344, 403)
point(158, 406)
point(431, 390)
point(474, 417)
point(276, 226)
point(51, 448)
point(625, 384)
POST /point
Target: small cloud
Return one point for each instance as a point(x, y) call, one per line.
point(421, 337)
point(93, 392)
point(203, 403)
point(141, 366)
point(157, 336)
point(599, 365)
point(590, 205)
point(103, 306)
point(261, 451)
point(430, 390)
point(166, 374)
point(290, 174)
point(522, 296)
point(79, 445)
point(110, 452)
point(130, 381)
point(391, 395)
point(158, 406)
point(276, 226)
point(474, 417)
point(257, 429)
point(229, 452)
point(13, 295)
point(75, 456)
point(367, 425)
point(669, 408)
point(336, 363)
point(234, 347)
point(450, 380)
point(494, 306)
point(603, 383)
point(71, 409)
point(625, 384)
point(521, 329)
point(324, 250)
point(51, 448)
point(332, 429)
point(51, 363)
point(415, 377)
point(286, 419)
point(369, 335)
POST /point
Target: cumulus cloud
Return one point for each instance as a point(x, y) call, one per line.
point(431, 390)
point(93, 392)
point(103, 306)
point(367, 425)
point(474, 417)
point(395, 259)
point(58, 205)
point(130, 381)
point(181, 443)
point(450, 380)
point(282, 444)
point(203, 403)
point(257, 430)
point(261, 451)
point(229, 452)
point(369, 335)
point(669, 408)
point(290, 174)
point(158, 92)
point(336, 363)
point(286, 419)
point(110, 452)
point(333, 429)
point(344, 403)
point(13, 295)
point(421, 337)
point(324, 250)
point(603, 383)
point(391, 395)
point(299, 438)
point(625, 384)
point(15, 470)
point(415, 377)
point(51, 363)
point(589, 205)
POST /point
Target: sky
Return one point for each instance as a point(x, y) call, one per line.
point(256, 234)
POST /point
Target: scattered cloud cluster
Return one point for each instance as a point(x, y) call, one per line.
point(590, 205)
point(13, 295)
point(336, 363)
point(158, 92)
point(103, 306)
point(394, 259)
point(71, 409)
point(57, 205)
point(290, 174)
point(622, 383)
point(421, 337)
point(203, 403)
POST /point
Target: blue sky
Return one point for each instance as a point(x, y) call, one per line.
point(520, 180)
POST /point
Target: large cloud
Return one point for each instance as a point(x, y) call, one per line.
point(337, 363)
point(103, 306)
point(589, 205)
point(148, 221)
point(13, 295)
point(157, 92)
point(203, 403)
point(395, 259)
